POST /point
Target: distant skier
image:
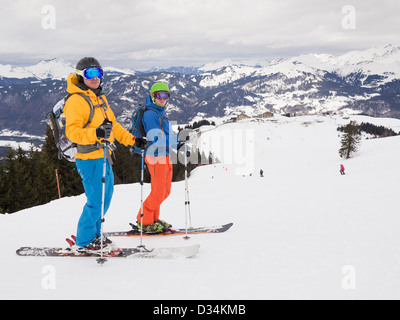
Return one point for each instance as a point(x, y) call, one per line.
point(342, 170)
point(261, 173)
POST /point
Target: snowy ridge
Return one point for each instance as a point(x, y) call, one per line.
point(301, 232)
point(384, 61)
point(50, 69)
point(53, 69)
point(358, 82)
point(378, 60)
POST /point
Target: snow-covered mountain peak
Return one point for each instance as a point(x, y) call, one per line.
point(216, 65)
point(52, 68)
point(55, 68)
point(383, 61)
point(112, 70)
point(9, 71)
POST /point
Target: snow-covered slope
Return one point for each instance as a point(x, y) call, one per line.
point(50, 69)
point(53, 69)
point(9, 71)
point(383, 61)
point(303, 231)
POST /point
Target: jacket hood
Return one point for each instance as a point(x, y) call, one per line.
point(150, 103)
point(74, 86)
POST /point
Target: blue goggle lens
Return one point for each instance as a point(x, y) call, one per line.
point(162, 95)
point(90, 73)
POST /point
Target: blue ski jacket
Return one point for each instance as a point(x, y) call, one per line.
point(159, 131)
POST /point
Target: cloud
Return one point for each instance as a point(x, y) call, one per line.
point(146, 33)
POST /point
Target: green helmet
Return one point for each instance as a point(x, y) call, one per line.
point(159, 86)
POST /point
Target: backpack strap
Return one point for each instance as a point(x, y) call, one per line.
point(92, 107)
point(140, 122)
point(88, 101)
point(160, 116)
point(92, 147)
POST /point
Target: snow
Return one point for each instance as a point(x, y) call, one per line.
point(15, 144)
point(301, 232)
point(10, 138)
point(383, 61)
point(53, 68)
point(216, 65)
point(9, 71)
point(50, 69)
point(118, 70)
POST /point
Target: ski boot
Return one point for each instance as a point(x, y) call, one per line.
point(165, 225)
point(95, 247)
point(150, 228)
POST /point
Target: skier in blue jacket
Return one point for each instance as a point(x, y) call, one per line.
point(161, 138)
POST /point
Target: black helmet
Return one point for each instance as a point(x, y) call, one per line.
point(88, 62)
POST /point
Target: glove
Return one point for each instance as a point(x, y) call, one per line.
point(104, 130)
point(141, 143)
point(180, 144)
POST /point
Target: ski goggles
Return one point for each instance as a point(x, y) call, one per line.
point(162, 95)
point(90, 73)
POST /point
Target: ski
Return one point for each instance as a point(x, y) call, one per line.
point(128, 253)
point(200, 230)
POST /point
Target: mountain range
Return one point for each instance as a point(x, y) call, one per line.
point(365, 82)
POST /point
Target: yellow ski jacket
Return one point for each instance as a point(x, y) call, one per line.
point(77, 112)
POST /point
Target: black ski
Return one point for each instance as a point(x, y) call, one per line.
point(200, 230)
point(129, 253)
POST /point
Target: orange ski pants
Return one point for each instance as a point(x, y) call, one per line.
point(160, 169)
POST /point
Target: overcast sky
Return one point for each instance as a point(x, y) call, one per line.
point(140, 34)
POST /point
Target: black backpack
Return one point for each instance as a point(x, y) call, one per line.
point(137, 128)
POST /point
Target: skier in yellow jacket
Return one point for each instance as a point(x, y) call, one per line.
point(89, 139)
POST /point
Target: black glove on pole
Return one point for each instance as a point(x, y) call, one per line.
point(141, 143)
point(104, 130)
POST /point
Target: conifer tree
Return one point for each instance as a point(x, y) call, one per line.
point(13, 200)
point(69, 179)
point(28, 178)
point(35, 166)
point(26, 192)
point(126, 166)
point(2, 189)
point(350, 140)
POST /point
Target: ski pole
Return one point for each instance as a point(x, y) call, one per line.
point(58, 185)
point(141, 200)
point(187, 200)
point(102, 260)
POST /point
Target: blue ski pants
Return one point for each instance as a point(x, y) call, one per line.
point(91, 172)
